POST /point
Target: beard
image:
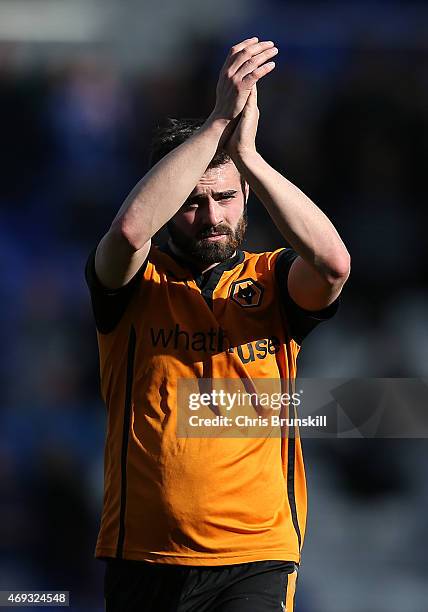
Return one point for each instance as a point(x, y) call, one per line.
point(207, 252)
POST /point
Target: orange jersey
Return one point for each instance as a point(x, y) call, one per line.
point(197, 501)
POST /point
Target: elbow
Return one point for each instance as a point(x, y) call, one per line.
point(124, 232)
point(339, 269)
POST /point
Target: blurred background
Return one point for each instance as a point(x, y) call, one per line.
point(344, 116)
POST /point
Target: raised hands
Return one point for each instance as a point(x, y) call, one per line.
point(246, 64)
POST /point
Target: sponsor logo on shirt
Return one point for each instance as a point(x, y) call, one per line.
point(214, 341)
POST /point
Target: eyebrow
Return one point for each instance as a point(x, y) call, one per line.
point(217, 195)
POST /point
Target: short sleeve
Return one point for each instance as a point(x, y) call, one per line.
point(300, 321)
point(109, 305)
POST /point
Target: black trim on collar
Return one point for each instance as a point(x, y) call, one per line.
point(208, 281)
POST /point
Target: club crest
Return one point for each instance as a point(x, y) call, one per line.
point(247, 293)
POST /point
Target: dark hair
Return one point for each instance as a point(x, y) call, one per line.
point(173, 133)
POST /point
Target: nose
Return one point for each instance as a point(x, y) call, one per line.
point(212, 213)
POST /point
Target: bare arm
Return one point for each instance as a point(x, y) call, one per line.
point(152, 202)
point(317, 276)
point(161, 192)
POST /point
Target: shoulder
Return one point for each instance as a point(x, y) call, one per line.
point(109, 305)
point(267, 261)
point(273, 268)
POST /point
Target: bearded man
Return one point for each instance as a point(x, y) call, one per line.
point(205, 523)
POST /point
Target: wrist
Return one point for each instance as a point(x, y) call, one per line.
point(244, 157)
point(216, 123)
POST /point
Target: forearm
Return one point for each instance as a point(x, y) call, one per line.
point(162, 191)
point(304, 226)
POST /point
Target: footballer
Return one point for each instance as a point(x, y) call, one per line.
point(194, 524)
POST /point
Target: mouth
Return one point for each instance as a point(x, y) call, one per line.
point(213, 237)
point(216, 237)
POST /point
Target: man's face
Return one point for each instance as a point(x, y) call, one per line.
point(211, 224)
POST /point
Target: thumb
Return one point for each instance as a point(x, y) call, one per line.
point(254, 93)
point(252, 98)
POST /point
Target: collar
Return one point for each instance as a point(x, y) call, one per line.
point(227, 264)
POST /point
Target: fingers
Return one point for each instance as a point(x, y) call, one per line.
point(247, 62)
point(255, 61)
point(237, 59)
point(237, 48)
point(250, 79)
point(243, 44)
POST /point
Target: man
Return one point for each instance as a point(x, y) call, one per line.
point(201, 524)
